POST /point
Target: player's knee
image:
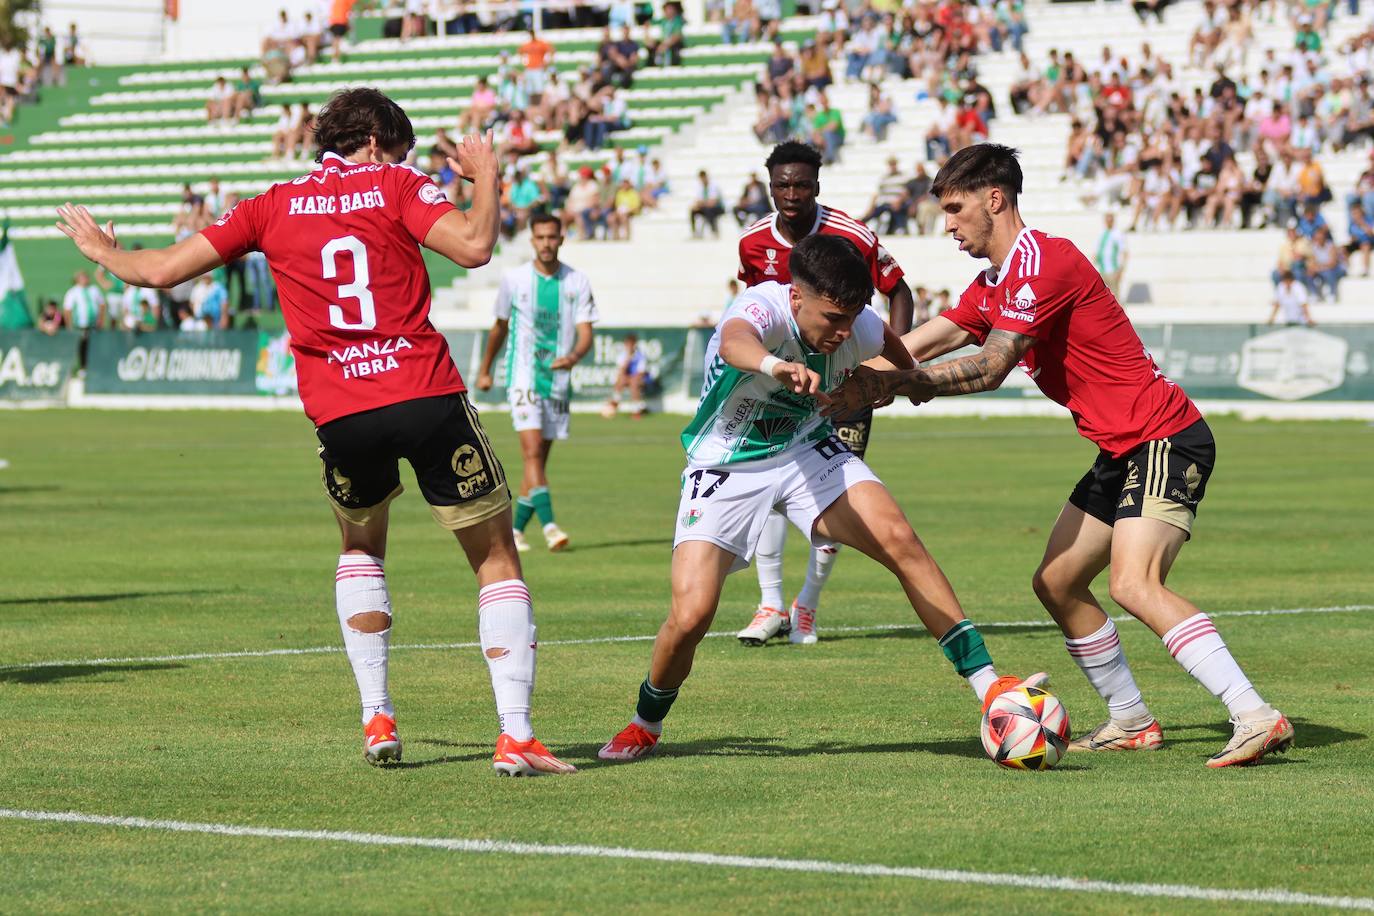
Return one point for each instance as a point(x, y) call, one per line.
point(1050, 588)
point(896, 543)
point(370, 622)
point(1130, 589)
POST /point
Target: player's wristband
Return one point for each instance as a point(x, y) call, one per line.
point(768, 363)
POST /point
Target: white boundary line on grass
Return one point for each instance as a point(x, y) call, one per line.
point(1271, 896)
point(598, 640)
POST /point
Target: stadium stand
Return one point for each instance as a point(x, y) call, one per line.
point(699, 116)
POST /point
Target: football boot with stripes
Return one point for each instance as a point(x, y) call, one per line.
point(381, 741)
point(1109, 736)
point(1264, 731)
point(526, 758)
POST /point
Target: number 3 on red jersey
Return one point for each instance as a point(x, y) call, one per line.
point(367, 310)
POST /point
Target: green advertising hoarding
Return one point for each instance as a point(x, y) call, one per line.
point(35, 366)
point(675, 357)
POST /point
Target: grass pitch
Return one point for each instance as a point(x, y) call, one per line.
point(168, 534)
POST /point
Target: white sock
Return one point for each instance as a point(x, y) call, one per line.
point(768, 559)
point(981, 680)
point(817, 573)
point(1104, 664)
point(653, 728)
point(360, 586)
point(1198, 647)
point(505, 624)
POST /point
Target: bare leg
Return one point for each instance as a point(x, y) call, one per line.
point(1078, 549)
point(699, 571)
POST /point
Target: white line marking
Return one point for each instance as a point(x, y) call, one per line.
point(601, 640)
point(1270, 896)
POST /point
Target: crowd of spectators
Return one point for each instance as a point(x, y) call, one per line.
point(1244, 150)
point(26, 67)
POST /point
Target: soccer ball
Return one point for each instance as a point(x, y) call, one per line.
point(1026, 728)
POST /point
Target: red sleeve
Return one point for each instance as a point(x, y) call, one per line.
point(420, 200)
point(1034, 307)
point(969, 316)
point(746, 270)
point(238, 231)
point(886, 271)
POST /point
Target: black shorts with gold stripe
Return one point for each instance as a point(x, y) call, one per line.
point(444, 442)
point(1163, 479)
point(854, 430)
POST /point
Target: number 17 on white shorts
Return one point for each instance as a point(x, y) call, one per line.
point(728, 505)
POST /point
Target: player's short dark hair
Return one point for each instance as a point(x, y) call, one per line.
point(793, 151)
point(353, 116)
point(983, 165)
point(544, 216)
point(832, 267)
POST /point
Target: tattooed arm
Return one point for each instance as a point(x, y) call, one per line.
point(982, 371)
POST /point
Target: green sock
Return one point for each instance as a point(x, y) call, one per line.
point(654, 703)
point(963, 646)
point(523, 510)
point(543, 504)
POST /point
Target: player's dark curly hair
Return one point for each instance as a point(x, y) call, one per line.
point(831, 266)
point(791, 151)
point(353, 116)
point(983, 165)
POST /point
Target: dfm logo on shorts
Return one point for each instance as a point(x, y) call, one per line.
point(472, 474)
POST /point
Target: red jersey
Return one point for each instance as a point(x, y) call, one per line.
point(343, 245)
point(1087, 356)
point(763, 251)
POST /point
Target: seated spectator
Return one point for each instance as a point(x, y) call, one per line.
point(1328, 266)
point(1361, 235)
point(1282, 192)
point(608, 112)
point(890, 202)
point(522, 196)
point(138, 309)
point(753, 202)
point(1290, 301)
point(309, 35)
point(628, 203)
point(74, 50)
point(413, 21)
point(50, 317)
point(51, 72)
point(517, 135)
point(741, 24)
point(583, 207)
point(1295, 255)
point(942, 130)
point(554, 179)
point(1312, 189)
point(1252, 191)
point(707, 207)
point(218, 107)
point(210, 302)
point(188, 321)
point(780, 69)
point(666, 49)
point(282, 34)
point(1310, 221)
point(247, 94)
point(617, 60)
point(880, 114)
point(1224, 200)
point(827, 130)
point(481, 107)
point(922, 208)
point(632, 376)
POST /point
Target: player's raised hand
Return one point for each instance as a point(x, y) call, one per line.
point(476, 157)
point(77, 224)
point(797, 379)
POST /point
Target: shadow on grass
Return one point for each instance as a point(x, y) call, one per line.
point(37, 488)
point(606, 545)
point(1306, 734)
point(916, 631)
point(583, 756)
point(47, 674)
point(108, 596)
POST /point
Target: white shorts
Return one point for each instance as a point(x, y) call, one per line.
point(530, 411)
point(729, 505)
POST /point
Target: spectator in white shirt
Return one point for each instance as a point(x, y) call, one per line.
point(220, 105)
point(707, 208)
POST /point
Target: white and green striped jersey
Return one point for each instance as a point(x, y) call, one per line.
point(544, 313)
point(748, 416)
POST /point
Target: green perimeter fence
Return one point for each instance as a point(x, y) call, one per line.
point(1224, 362)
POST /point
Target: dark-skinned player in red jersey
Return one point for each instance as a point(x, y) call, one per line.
point(377, 381)
point(1042, 305)
point(794, 170)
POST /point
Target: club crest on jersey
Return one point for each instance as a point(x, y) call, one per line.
point(691, 518)
point(772, 428)
point(1022, 305)
point(431, 193)
point(771, 268)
